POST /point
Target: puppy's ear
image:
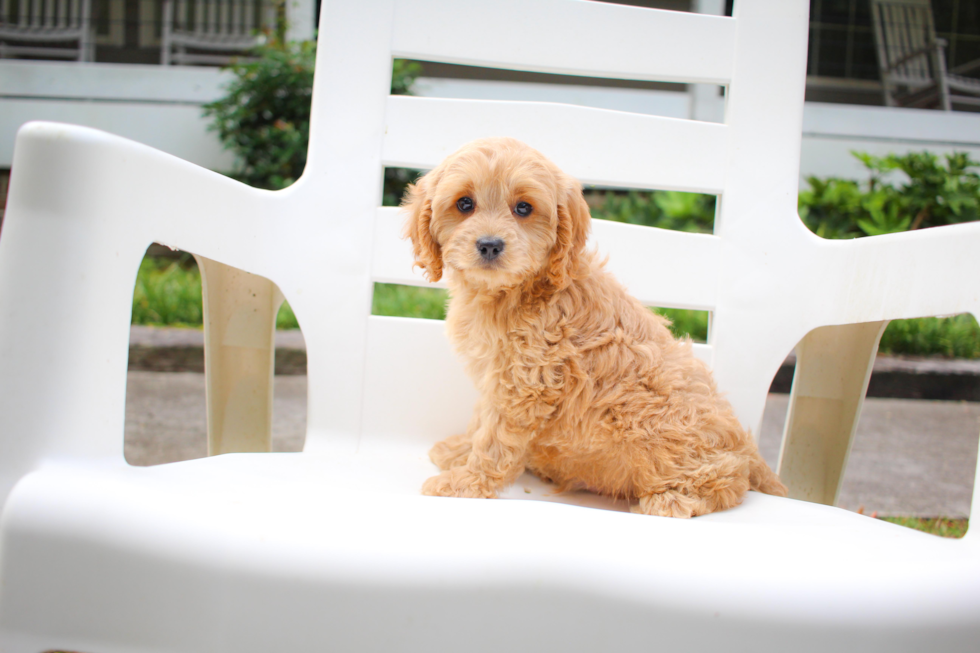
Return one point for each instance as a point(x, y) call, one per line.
point(574, 223)
point(417, 204)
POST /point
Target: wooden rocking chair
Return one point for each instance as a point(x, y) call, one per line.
point(32, 27)
point(211, 32)
point(912, 59)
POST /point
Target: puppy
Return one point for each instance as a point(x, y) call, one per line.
point(578, 381)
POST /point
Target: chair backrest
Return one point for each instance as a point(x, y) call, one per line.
point(393, 381)
point(27, 22)
point(903, 27)
point(213, 30)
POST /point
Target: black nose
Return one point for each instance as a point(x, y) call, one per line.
point(489, 248)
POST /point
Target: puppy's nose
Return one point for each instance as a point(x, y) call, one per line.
point(490, 248)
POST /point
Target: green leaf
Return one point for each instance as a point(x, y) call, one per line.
point(264, 116)
point(913, 190)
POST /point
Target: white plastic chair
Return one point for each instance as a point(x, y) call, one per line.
point(211, 31)
point(334, 548)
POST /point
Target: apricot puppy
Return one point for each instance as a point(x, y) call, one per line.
point(578, 381)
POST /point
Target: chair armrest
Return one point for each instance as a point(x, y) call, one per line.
point(917, 274)
point(937, 44)
point(967, 67)
point(83, 207)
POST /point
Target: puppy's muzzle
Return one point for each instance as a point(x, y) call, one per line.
point(490, 248)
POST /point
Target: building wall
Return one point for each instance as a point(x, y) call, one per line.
point(156, 105)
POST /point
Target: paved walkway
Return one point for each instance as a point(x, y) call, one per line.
point(910, 457)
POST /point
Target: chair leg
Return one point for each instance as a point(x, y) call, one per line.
point(239, 357)
point(939, 63)
point(165, 28)
point(833, 366)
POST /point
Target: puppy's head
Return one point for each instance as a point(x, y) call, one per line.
point(498, 213)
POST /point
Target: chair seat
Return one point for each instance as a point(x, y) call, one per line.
point(41, 33)
point(214, 41)
point(335, 549)
point(224, 544)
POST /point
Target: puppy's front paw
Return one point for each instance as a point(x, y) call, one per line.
point(669, 504)
point(458, 482)
point(451, 452)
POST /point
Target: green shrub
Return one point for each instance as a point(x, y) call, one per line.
point(264, 117)
point(832, 207)
point(932, 194)
point(395, 182)
point(664, 209)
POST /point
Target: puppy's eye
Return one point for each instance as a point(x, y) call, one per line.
point(523, 209)
point(464, 204)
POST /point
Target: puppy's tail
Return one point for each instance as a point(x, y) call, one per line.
point(763, 479)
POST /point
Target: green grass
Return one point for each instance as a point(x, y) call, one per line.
point(954, 528)
point(684, 322)
point(286, 319)
point(168, 293)
point(957, 336)
point(430, 303)
point(954, 337)
point(409, 301)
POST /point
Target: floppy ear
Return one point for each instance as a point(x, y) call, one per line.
point(418, 206)
point(574, 222)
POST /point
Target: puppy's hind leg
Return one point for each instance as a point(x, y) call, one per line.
point(717, 485)
point(763, 479)
point(451, 452)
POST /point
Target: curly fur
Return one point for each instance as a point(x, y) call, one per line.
point(578, 381)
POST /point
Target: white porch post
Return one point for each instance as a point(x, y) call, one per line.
point(300, 19)
point(704, 101)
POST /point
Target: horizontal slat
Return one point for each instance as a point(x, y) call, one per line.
point(416, 392)
point(597, 146)
point(705, 352)
point(392, 258)
point(116, 82)
point(569, 37)
point(659, 267)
